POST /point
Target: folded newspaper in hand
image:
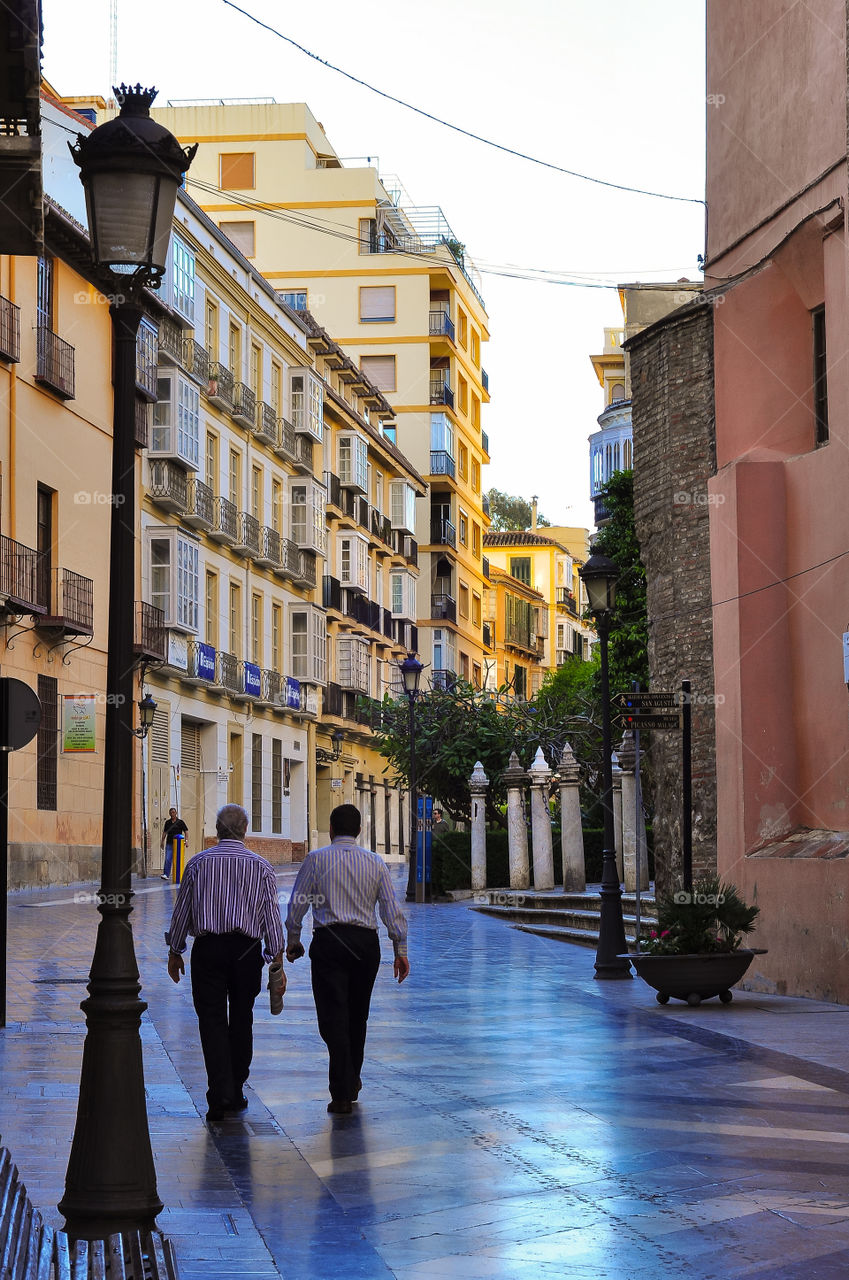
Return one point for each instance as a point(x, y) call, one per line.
point(276, 986)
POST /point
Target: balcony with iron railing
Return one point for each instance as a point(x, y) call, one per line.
point(272, 687)
point(485, 567)
point(244, 406)
point(265, 427)
point(19, 578)
point(268, 555)
point(485, 380)
point(440, 391)
point(380, 527)
point(141, 423)
point(442, 533)
point(488, 635)
point(219, 388)
point(196, 361)
point(387, 624)
point(200, 506)
point(306, 576)
point(565, 599)
point(150, 639)
point(441, 463)
point(441, 325)
point(247, 536)
point(290, 559)
point(333, 700)
point(443, 607)
point(10, 331)
point(168, 486)
point(303, 458)
point(286, 438)
point(485, 503)
point(55, 363)
point(334, 489)
point(68, 599)
point(171, 343)
point(485, 442)
point(229, 673)
point(225, 522)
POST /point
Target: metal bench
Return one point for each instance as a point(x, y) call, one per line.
point(32, 1250)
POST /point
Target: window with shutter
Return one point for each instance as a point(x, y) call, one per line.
point(190, 757)
point(377, 303)
point(380, 371)
point(237, 171)
point(242, 235)
point(160, 739)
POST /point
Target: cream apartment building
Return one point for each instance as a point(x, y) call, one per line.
point(399, 293)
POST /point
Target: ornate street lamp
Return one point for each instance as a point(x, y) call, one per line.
point(411, 673)
point(130, 168)
point(147, 710)
point(599, 576)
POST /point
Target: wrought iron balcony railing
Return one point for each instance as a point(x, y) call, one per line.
point(141, 426)
point(485, 503)
point(265, 428)
point(303, 453)
point(150, 637)
point(286, 439)
point(306, 569)
point(10, 331)
point(244, 406)
point(269, 548)
point(219, 388)
point(334, 489)
point(196, 360)
point(444, 607)
point(55, 363)
point(171, 343)
point(489, 635)
point(440, 392)
point(19, 577)
point(331, 593)
point(200, 508)
point(441, 325)
point(168, 484)
point(442, 533)
point(333, 700)
point(229, 673)
point(69, 602)
point(485, 442)
point(290, 559)
point(485, 380)
point(225, 522)
point(485, 567)
point(272, 687)
point(247, 537)
point(441, 463)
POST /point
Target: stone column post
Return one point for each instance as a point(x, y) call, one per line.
point(517, 834)
point(539, 776)
point(630, 818)
point(617, 811)
point(478, 783)
point(571, 831)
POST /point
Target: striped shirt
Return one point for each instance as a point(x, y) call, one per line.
point(227, 889)
point(343, 883)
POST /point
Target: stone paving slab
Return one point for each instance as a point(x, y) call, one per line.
point(519, 1119)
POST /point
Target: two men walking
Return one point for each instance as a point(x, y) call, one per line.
point(228, 902)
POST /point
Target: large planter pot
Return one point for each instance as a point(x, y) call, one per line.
point(694, 978)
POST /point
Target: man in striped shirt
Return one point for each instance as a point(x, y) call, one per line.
point(343, 883)
point(228, 902)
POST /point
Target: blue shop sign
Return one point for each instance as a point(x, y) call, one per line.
point(205, 661)
point(293, 693)
point(253, 680)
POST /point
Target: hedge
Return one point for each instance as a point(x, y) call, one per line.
point(452, 858)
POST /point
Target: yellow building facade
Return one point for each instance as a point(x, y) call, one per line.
point(397, 290)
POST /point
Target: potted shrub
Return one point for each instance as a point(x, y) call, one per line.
point(695, 952)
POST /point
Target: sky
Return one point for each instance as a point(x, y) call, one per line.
point(613, 90)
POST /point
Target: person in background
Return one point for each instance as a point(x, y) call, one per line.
point(228, 902)
point(343, 883)
point(174, 826)
point(440, 826)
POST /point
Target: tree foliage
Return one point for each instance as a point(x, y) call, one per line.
point(628, 652)
point(507, 512)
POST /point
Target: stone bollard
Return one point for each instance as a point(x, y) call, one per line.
point(630, 818)
point(539, 776)
point(478, 783)
point(571, 830)
point(617, 811)
point(517, 833)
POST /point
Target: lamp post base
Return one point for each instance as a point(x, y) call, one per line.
point(610, 959)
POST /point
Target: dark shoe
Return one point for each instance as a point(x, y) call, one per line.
point(340, 1107)
point(357, 1087)
point(214, 1114)
point(239, 1105)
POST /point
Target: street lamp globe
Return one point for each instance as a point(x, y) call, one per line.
point(411, 673)
point(599, 575)
point(147, 710)
point(130, 168)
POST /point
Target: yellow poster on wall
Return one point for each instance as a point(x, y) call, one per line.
point(78, 723)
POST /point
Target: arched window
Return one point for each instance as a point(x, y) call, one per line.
point(617, 391)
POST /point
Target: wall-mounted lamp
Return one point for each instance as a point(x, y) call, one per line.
point(323, 756)
point(147, 710)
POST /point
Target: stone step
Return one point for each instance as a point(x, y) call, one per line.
point(557, 900)
point(585, 921)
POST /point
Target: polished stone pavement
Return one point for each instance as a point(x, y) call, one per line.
point(518, 1118)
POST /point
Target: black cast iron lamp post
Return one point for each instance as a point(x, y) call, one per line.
point(147, 710)
point(411, 673)
point(130, 168)
point(599, 576)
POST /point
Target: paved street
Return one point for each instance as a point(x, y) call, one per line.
point(518, 1118)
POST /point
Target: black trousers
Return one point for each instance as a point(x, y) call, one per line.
point(345, 959)
point(226, 980)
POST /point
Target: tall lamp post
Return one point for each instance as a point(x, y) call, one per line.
point(411, 673)
point(599, 576)
point(130, 168)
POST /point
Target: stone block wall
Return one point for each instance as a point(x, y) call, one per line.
point(674, 455)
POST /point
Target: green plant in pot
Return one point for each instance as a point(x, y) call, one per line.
point(695, 952)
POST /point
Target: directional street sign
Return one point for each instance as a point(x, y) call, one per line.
point(655, 722)
point(641, 701)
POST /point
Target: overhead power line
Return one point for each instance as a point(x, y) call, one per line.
point(467, 133)
point(325, 226)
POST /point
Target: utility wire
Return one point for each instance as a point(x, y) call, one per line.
point(467, 133)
